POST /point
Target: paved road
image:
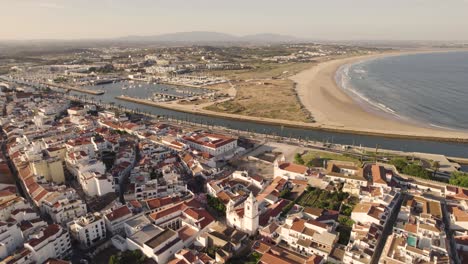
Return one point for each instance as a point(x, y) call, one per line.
point(387, 231)
point(19, 184)
point(449, 234)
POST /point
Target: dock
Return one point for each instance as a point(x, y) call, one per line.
point(459, 160)
point(169, 96)
point(73, 88)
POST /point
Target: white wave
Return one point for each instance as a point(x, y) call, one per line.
point(343, 80)
point(443, 127)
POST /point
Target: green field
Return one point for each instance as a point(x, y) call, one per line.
point(324, 199)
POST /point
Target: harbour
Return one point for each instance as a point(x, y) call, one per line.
point(112, 91)
point(456, 149)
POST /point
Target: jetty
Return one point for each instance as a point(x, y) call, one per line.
point(288, 123)
point(74, 88)
point(168, 96)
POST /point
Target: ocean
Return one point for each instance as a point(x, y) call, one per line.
point(430, 89)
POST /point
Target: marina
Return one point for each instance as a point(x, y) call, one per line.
point(114, 91)
point(456, 149)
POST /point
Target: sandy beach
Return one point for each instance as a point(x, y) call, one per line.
point(333, 108)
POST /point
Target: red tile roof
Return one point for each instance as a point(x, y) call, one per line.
point(273, 211)
point(462, 194)
point(217, 140)
point(201, 216)
point(4, 193)
point(166, 212)
point(47, 232)
point(298, 225)
point(378, 174)
point(269, 258)
point(461, 240)
point(118, 213)
point(161, 202)
point(33, 187)
point(41, 195)
point(293, 167)
point(135, 204)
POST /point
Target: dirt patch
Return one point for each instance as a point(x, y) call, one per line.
point(265, 98)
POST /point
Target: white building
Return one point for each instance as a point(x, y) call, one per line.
point(214, 144)
point(156, 243)
point(288, 170)
point(88, 229)
point(51, 242)
point(84, 144)
point(255, 180)
point(188, 218)
point(21, 256)
point(10, 202)
point(11, 238)
point(154, 189)
point(245, 218)
point(345, 172)
point(96, 184)
point(135, 224)
point(80, 162)
point(367, 213)
point(185, 256)
point(63, 210)
point(308, 236)
point(116, 218)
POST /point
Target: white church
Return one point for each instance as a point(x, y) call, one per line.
point(244, 218)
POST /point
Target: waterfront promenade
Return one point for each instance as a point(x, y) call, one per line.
point(424, 135)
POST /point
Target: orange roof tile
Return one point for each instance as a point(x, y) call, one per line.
point(293, 167)
point(118, 213)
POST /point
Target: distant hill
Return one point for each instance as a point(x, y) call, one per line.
point(267, 37)
point(210, 37)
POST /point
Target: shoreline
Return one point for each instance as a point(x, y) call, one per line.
point(383, 110)
point(332, 109)
point(373, 107)
point(332, 106)
point(76, 89)
point(462, 138)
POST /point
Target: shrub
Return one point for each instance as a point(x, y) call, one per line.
point(298, 159)
point(459, 178)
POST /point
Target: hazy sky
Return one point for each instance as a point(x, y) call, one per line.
point(325, 19)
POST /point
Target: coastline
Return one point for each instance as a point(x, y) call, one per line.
point(456, 137)
point(332, 107)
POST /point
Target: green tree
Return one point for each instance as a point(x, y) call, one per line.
point(284, 193)
point(346, 221)
point(459, 178)
point(286, 209)
point(114, 259)
point(298, 159)
point(417, 171)
point(129, 256)
point(216, 204)
point(346, 210)
point(399, 163)
point(316, 162)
